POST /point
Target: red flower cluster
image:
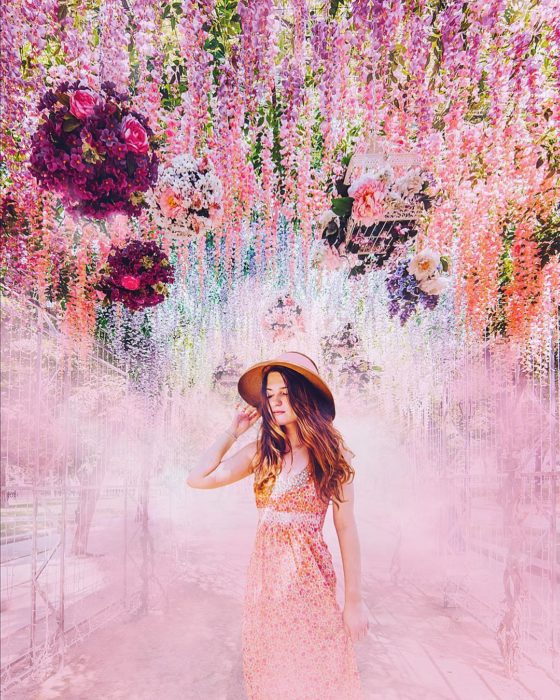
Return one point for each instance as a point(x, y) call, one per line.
point(93, 151)
point(137, 275)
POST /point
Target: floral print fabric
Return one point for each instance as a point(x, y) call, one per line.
point(294, 643)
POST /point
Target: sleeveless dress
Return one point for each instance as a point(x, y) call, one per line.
point(295, 646)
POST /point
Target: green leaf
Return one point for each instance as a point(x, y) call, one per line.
point(70, 123)
point(445, 262)
point(62, 12)
point(63, 99)
point(342, 206)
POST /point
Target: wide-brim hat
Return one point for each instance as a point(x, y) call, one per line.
point(250, 382)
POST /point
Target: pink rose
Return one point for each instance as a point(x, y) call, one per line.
point(83, 103)
point(134, 135)
point(368, 193)
point(130, 282)
point(171, 203)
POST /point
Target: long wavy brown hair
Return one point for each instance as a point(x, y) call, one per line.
point(315, 429)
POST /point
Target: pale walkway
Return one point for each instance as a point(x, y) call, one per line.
point(416, 651)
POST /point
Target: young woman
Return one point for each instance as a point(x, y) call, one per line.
point(297, 643)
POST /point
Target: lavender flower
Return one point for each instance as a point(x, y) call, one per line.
point(405, 294)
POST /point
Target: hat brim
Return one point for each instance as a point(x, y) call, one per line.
point(250, 382)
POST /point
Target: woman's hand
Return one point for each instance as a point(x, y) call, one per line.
point(355, 617)
point(243, 419)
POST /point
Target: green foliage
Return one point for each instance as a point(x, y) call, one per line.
point(268, 115)
point(172, 12)
point(223, 32)
point(342, 206)
point(547, 236)
point(334, 5)
point(497, 323)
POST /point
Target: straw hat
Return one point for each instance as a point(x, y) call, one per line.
point(250, 382)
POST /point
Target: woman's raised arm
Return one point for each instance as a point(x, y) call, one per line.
point(210, 471)
point(236, 467)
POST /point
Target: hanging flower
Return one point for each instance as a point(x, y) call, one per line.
point(137, 275)
point(83, 103)
point(424, 264)
point(436, 285)
point(93, 151)
point(368, 192)
point(284, 318)
point(407, 291)
point(188, 197)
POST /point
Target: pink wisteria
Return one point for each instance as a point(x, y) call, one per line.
point(282, 94)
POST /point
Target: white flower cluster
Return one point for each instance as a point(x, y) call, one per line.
point(426, 266)
point(188, 196)
point(407, 186)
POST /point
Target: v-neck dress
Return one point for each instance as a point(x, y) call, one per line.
point(295, 646)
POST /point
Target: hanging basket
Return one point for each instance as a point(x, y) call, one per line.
point(382, 198)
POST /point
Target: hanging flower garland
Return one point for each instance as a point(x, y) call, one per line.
point(284, 318)
point(340, 346)
point(226, 374)
point(188, 197)
point(416, 282)
point(342, 356)
point(15, 242)
point(359, 375)
point(137, 275)
point(93, 151)
point(375, 218)
point(476, 98)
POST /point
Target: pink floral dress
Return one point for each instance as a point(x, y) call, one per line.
point(295, 646)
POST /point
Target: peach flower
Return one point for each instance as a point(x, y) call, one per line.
point(436, 285)
point(424, 264)
point(171, 203)
point(368, 193)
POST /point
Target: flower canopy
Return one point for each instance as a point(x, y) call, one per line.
point(279, 95)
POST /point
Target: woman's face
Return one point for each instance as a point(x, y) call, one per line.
point(277, 393)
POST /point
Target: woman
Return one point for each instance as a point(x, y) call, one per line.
point(296, 643)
